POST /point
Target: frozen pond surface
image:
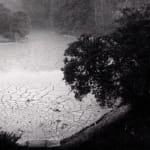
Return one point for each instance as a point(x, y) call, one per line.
point(42, 51)
point(34, 100)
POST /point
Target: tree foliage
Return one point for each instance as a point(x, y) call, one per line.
point(113, 66)
point(8, 141)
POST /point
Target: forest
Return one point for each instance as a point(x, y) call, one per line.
point(75, 17)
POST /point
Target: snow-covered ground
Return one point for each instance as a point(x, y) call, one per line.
point(34, 99)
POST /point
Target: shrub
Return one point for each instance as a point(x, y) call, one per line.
point(8, 141)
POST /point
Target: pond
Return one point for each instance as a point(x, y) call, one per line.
point(34, 100)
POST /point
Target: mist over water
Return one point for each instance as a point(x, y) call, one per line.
point(40, 51)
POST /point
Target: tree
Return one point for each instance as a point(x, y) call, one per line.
point(74, 16)
point(115, 66)
point(19, 25)
point(4, 19)
point(39, 11)
point(13, 25)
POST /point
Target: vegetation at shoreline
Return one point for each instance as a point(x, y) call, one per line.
point(14, 25)
point(8, 141)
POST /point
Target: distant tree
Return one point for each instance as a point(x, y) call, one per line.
point(116, 66)
point(39, 12)
point(19, 25)
point(13, 25)
point(4, 19)
point(75, 16)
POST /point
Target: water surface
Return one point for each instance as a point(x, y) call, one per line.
point(34, 99)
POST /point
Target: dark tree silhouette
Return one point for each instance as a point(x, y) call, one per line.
point(8, 141)
point(116, 66)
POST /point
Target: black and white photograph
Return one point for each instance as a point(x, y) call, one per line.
point(74, 74)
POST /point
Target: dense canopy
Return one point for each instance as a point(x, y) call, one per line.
point(115, 66)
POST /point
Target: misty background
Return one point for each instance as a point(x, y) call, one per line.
point(72, 16)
